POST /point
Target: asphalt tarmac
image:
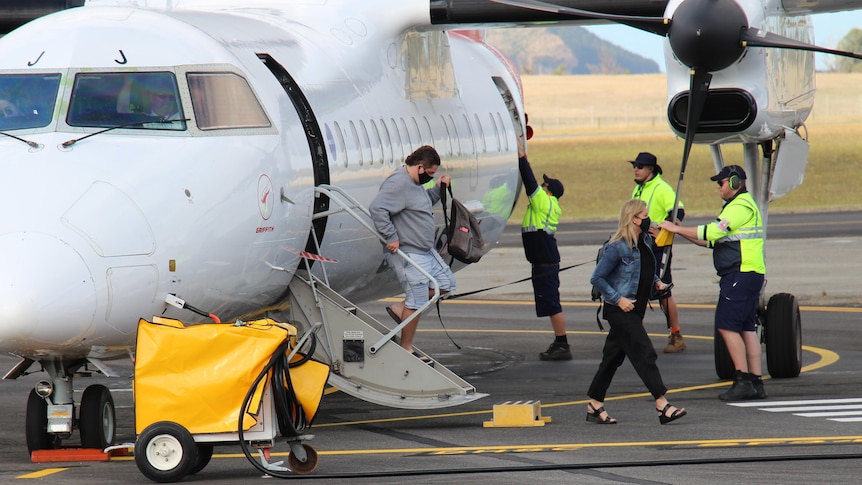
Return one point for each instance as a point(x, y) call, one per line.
point(809, 430)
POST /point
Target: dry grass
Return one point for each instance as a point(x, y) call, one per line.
point(590, 156)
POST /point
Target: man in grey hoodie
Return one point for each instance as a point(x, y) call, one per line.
point(401, 212)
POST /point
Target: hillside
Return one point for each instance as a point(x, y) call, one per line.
point(566, 50)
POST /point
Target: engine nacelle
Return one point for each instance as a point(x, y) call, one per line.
point(760, 95)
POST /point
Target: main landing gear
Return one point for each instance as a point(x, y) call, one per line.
point(51, 413)
point(780, 328)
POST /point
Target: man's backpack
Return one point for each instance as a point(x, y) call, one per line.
point(462, 231)
point(595, 294)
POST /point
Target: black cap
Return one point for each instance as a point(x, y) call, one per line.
point(646, 158)
point(554, 186)
point(727, 171)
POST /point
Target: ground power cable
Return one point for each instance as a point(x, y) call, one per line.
point(580, 466)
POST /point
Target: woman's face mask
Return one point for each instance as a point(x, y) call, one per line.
point(644, 225)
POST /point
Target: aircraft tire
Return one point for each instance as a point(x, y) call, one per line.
point(306, 467)
point(783, 330)
point(724, 367)
point(205, 454)
point(36, 425)
point(97, 422)
point(165, 452)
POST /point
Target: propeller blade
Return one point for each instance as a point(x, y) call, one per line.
point(698, 91)
point(697, 94)
point(754, 37)
point(653, 25)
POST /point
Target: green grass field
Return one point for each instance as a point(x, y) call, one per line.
point(589, 151)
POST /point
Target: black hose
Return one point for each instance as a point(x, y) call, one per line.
point(290, 416)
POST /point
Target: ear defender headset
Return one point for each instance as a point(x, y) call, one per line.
point(735, 181)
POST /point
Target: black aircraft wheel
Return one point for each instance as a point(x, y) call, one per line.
point(36, 425)
point(165, 452)
point(97, 420)
point(724, 367)
point(205, 454)
point(783, 330)
point(306, 467)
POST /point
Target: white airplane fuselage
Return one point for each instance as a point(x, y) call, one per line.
point(97, 232)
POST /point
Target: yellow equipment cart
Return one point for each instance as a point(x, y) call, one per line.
point(200, 386)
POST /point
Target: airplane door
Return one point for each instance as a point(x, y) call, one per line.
point(512, 108)
point(314, 136)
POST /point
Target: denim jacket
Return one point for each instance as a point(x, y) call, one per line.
point(618, 271)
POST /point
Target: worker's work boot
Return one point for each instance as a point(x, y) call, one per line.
point(675, 343)
point(741, 389)
point(758, 387)
point(557, 351)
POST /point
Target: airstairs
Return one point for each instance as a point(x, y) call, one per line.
point(365, 356)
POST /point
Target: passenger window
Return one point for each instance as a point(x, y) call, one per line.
point(147, 100)
point(27, 100)
point(224, 100)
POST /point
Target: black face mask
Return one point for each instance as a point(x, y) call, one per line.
point(645, 223)
point(424, 178)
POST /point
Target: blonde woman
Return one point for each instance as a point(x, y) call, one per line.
point(624, 275)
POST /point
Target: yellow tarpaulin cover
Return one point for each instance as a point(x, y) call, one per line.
point(198, 376)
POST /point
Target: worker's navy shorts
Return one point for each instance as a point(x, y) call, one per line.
point(546, 289)
point(738, 297)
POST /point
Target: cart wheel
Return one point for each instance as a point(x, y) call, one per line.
point(165, 452)
point(97, 421)
point(783, 336)
point(723, 363)
point(306, 467)
point(36, 425)
point(205, 454)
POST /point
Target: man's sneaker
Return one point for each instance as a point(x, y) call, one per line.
point(761, 391)
point(557, 351)
point(675, 343)
point(741, 389)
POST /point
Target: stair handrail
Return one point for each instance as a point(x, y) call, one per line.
point(348, 204)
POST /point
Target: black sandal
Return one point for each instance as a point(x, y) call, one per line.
point(664, 418)
point(423, 358)
point(595, 416)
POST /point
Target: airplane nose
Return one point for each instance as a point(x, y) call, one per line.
point(47, 293)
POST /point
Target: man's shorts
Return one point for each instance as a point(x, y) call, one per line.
point(546, 289)
point(414, 283)
point(738, 297)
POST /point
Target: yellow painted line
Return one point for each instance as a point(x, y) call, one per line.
point(827, 357)
point(43, 473)
point(550, 447)
point(696, 306)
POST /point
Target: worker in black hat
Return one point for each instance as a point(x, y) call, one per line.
point(540, 246)
point(736, 237)
point(659, 197)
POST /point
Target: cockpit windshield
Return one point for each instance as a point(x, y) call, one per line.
point(148, 100)
point(27, 100)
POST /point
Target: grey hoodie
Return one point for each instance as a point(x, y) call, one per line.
point(401, 212)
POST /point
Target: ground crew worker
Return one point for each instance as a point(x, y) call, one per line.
point(540, 247)
point(736, 237)
point(659, 197)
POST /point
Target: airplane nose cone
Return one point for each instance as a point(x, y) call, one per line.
point(47, 294)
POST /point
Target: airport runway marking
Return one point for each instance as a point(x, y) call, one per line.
point(592, 304)
point(846, 410)
point(827, 357)
point(43, 473)
point(555, 447)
